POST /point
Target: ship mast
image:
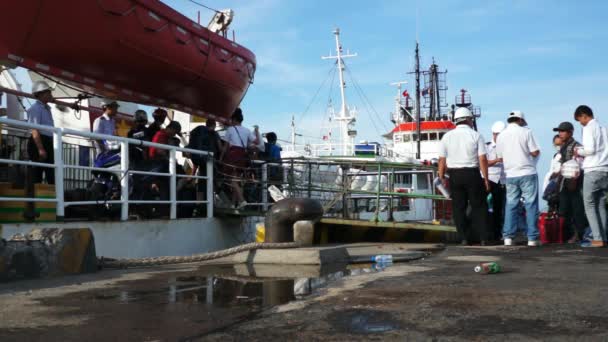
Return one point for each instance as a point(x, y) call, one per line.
point(397, 117)
point(345, 118)
point(293, 133)
point(417, 71)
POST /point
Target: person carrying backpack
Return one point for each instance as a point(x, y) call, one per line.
point(204, 138)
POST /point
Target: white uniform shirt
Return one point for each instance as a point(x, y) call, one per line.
point(461, 147)
point(514, 145)
point(104, 125)
point(496, 172)
point(594, 147)
point(239, 136)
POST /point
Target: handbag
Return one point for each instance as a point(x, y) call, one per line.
point(551, 193)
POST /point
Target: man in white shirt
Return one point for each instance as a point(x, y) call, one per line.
point(496, 176)
point(462, 153)
point(105, 124)
point(516, 147)
point(40, 144)
point(595, 167)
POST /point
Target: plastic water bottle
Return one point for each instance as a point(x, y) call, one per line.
point(487, 268)
point(383, 258)
point(381, 266)
point(490, 201)
point(439, 185)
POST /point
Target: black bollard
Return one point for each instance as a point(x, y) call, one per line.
point(283, 214)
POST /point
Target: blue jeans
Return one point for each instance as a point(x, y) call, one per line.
point(595, 185)
point(525, 187)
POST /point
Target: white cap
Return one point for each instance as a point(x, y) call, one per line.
point(517, 114)
point(498, 127)
point(40, 86)
point(462, 113)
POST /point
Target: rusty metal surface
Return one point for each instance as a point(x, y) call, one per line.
point(47, 252)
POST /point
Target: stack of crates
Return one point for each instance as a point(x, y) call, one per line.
point(12, 211)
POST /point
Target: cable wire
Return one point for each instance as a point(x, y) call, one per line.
point(207, 7)
point(356, 84)
point(359, 92)
point(316, 93)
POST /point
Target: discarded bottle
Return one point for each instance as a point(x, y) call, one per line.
point(380, 266)
point(487, 268)
point(383, 258)
point(439, 185)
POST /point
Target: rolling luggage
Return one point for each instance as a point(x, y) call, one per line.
point(551, 228)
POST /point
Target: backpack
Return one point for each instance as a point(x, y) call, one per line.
point(200, 139)
point(551, 192)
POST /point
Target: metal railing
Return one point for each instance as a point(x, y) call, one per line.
point(60, 168)
point(343, 186)
point(337, 150)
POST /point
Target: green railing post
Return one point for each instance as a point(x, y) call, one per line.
point(309, 180)
point(377, 213)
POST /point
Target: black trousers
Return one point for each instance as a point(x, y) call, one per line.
point(467, 188)
point(497, 217)
point(37, 172)
point(572, 208)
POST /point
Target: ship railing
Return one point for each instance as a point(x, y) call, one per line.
point(60, 166)
point(345, 150)
point(330, 149)
point(338, 185)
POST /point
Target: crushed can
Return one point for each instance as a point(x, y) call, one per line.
point(487, 268)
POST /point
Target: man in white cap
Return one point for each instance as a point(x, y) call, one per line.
point(516, 147)
point(40, 144)
point(496, 176)
point(105, 124)
point(462, 154)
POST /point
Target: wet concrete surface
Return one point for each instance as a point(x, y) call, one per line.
point(167, 305)
point(547, 293)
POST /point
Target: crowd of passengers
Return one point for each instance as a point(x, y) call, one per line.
point(233, 152)
point(506, 167)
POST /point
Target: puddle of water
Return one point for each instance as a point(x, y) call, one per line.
point(359, 321)
point(185, 305)
point(241, 285)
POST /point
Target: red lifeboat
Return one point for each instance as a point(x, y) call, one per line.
point(134, 50)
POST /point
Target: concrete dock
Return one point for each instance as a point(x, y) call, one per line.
point(547, 293)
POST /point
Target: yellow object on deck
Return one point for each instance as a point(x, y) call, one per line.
point(260, 232)
point(12, 211)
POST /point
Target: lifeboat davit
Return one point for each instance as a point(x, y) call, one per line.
point(135, 50)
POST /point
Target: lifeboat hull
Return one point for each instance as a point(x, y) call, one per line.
point(135, 50)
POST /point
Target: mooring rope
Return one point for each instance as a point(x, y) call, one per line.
point(172, 260)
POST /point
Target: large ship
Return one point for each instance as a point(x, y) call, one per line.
point(142, 53)
point(419, 123)
point(363, 182)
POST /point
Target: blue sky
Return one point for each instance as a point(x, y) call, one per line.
point(541, 57)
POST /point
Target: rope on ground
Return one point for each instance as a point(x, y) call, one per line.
point(172, 260)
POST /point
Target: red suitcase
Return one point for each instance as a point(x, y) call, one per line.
point(551, 228)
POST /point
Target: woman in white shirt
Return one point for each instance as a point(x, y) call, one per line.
point(236, 159)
